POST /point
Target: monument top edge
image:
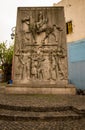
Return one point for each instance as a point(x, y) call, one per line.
point(39, 7)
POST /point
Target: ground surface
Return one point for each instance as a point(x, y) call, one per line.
point(42, 112)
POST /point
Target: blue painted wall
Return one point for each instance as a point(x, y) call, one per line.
point(76, 63)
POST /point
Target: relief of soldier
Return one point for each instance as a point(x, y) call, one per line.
point(40, 32)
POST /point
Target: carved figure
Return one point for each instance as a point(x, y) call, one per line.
point(41, 26)
point(56, 34)
point(53, 68)
point(25, 24)
point(25, 59)
point(40, 60)
point(34, 69)
point(59, 54)
point(28, 36)
point(42, 23)
point(37, 65)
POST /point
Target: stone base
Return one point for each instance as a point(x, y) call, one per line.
point(46, 89)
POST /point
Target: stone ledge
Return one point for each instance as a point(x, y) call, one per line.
point(40, 117)
point(40, 90)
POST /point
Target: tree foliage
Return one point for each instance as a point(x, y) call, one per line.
point(6, 55)
point(3, 51)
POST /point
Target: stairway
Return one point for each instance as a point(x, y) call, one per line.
point(20, 113)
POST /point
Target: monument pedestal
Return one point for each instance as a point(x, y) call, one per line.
point(41, 89)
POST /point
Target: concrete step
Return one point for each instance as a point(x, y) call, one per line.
point(18, 113)
point(25, 116)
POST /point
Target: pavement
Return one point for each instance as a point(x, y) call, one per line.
point(42, 112)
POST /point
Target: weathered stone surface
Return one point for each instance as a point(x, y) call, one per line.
point(40, 45)
point(40, 90)
point(40, 56)
point(44, 112)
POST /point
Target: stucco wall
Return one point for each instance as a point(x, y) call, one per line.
point(75, 11)
point(76, 63)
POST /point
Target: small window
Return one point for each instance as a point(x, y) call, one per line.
point(69, 28)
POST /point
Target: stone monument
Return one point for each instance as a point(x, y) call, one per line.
point(40, 52)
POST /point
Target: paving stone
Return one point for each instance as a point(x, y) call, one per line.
point(42, 101)
point(43, 125)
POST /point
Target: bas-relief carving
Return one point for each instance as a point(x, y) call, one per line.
point(40, 64)
point(41, 55)
point(40, 32)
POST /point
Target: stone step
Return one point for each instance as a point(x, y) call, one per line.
point(36, 109)
point(41, 109)
point(20, 113)
point(25, 115)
